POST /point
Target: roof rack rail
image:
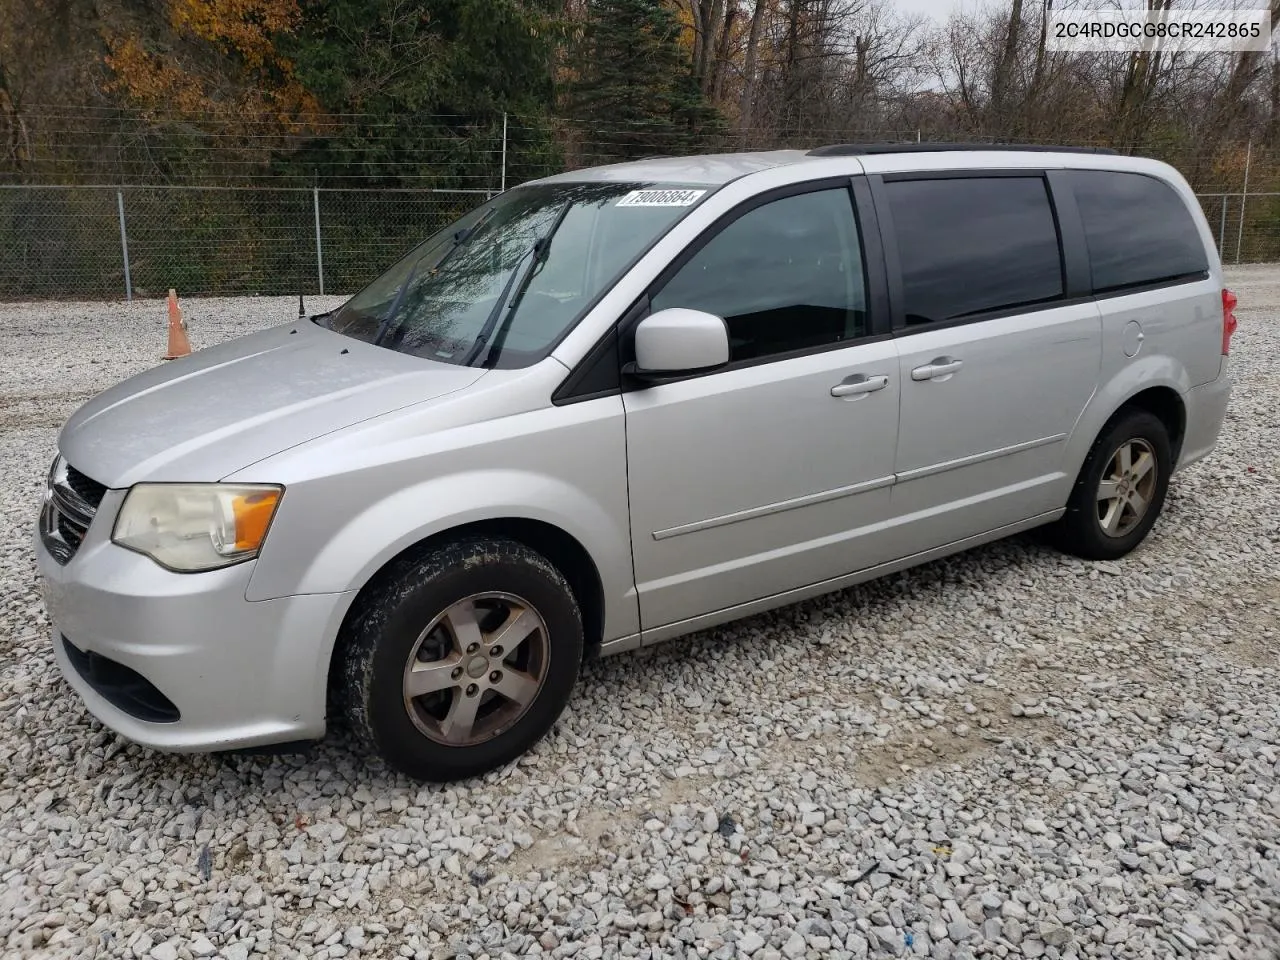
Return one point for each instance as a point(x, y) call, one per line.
point(870, 149)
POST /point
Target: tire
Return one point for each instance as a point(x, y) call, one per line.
point(1098, 529)
point(421, 680)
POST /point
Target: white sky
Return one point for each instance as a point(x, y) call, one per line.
point(939, 10)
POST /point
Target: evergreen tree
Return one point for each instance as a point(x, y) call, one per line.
point(634, 86)
point(422, 86)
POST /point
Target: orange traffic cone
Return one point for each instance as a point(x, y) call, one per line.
point(179, 345)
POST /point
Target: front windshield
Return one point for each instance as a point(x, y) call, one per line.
point(500, 286)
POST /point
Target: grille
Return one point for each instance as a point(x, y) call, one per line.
point(89, 490)
point(70, 504)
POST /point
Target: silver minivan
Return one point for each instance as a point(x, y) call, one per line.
point(616, 406)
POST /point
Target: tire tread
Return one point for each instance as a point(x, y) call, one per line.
point(1077, 532)
point(397, 584)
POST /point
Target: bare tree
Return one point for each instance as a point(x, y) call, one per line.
point(751, 59)
point(1248, 68)
point(1004, 68)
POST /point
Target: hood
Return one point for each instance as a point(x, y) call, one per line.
point(221, 409)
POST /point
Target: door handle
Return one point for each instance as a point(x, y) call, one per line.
point(937, 369)
point(859, 384)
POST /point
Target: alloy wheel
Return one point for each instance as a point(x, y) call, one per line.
point(476, 668)
point(1127, 487)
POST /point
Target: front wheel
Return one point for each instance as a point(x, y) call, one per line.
point(1120, 490)
point(461, 659)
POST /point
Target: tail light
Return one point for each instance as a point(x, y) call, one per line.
point(1229, 322)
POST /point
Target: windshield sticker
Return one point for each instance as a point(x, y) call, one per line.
point(661, 198)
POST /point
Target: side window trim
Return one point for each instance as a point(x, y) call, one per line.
point(879, 316)
point(966, 173)
point(893, 262)
point(895, 292)
point(874, 324)
point(598, 374)
point(1124, 290)
point(1076, 272)
point(718, 226)
point(1018, 310)
point(618, 342)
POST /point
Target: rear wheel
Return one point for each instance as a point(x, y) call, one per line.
point(1120, 490)
point(462, 659)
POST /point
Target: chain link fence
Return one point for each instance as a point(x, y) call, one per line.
point(120, 242)
point(123, 242)
point(1245, 225)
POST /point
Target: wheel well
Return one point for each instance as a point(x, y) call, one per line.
point(1165, 404)
point(565, 553)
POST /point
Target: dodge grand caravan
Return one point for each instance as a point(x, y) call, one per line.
point(615, 406)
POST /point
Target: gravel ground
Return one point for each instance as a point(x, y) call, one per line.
point(1008, 753)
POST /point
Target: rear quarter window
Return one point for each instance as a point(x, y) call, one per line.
point(1138, 230)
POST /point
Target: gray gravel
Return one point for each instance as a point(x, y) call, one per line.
point(1008, 753)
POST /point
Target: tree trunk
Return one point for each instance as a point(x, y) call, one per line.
point(860, 86)
point(17, 145)
point(697, 10)
point(1273, 104)
point(707, 17)
point(1140, 81)
point(1247, 68)
point(1004, 69)
point(1037, 72)
point(749, 67)
point(720, 66)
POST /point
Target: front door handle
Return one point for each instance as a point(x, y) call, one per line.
point(859, 384)
point(937, 369)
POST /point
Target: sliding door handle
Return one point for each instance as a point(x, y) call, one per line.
point(938, 369)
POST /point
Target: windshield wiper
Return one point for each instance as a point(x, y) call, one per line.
point(519, 280)
point(459, 238)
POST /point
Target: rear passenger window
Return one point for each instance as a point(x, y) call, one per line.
point(969, 245)
point(1137, 229)
point(784, 276)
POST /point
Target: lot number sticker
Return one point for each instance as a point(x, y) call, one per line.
point(661, 198)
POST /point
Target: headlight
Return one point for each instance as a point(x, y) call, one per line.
point(196, 526)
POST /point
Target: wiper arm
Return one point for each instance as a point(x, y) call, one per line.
point(518, 282)
point(395, 304)
point(459, 238)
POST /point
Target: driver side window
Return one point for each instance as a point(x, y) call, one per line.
point(785, 276)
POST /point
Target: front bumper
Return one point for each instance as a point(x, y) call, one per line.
point(237, 673)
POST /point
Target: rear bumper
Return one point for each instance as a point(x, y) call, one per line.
point(183, 661)
point(1206, 408)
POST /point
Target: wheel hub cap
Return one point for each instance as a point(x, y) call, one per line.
point(476, 668)
point(1127, 487)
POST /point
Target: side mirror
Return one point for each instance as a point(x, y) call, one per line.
point(678, 341)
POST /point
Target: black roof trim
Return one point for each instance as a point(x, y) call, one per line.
point(871, 149)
